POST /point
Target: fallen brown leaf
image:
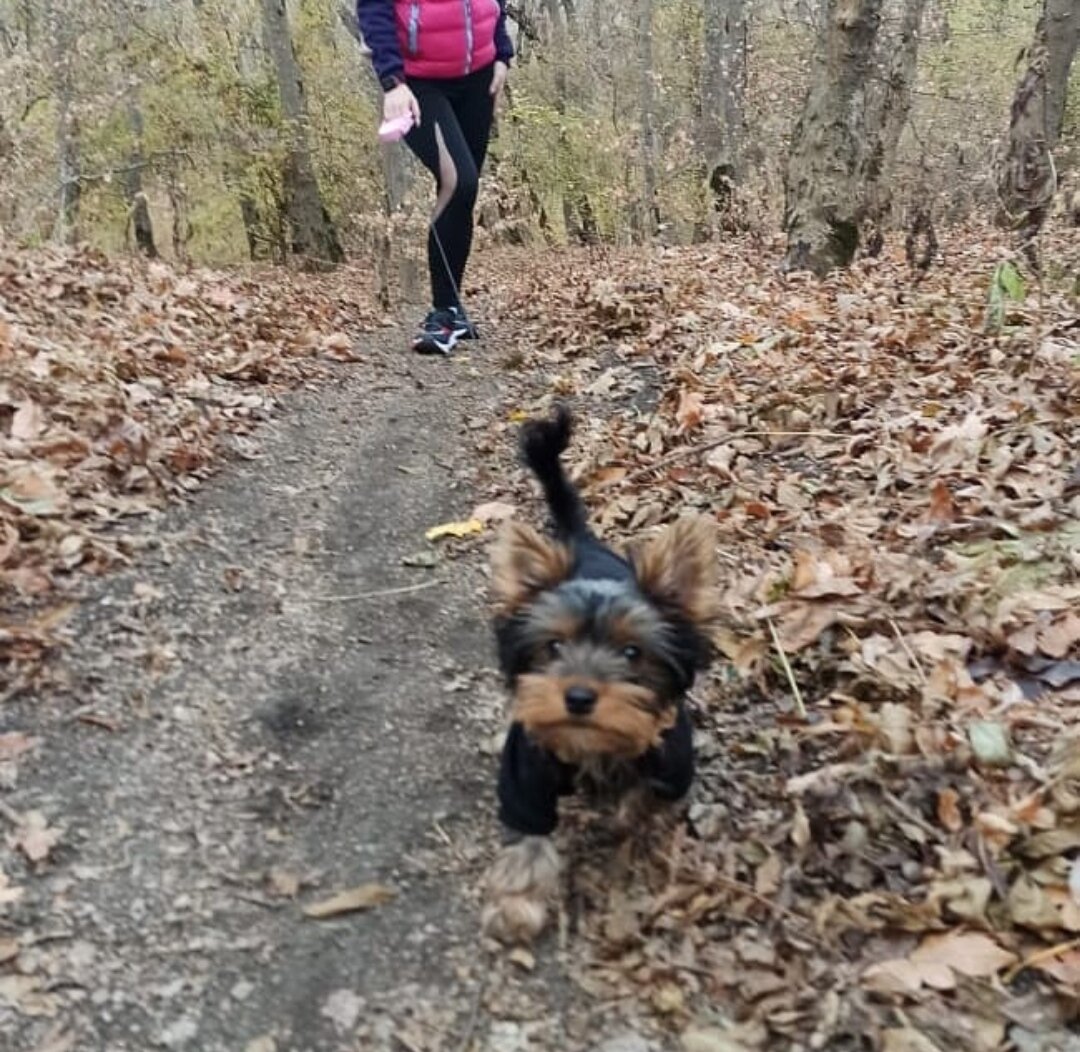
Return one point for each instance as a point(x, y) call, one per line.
point(948, 810)
point(906, 1039)
point(691, 411)
point(28, 421)
point(36, 838)
point(493, 511)
point(364, 897)
point(972, 954)
point(284, 883)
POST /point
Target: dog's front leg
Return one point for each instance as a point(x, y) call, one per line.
point(522, 889)
point(523, 881)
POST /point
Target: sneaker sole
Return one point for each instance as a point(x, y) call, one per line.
point(432, 345)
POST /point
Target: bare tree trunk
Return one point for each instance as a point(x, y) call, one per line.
point(553, 10)
point(889, 111)
point(826, 165)
point(139, 222)
point(1027, 177)
point(182, 230)
point(311, 230)
point(571, 203)
point(649, 221)
point(398, 179)
point(7, 143)
point(138, 207)
point(61, 54)
point(723, 75)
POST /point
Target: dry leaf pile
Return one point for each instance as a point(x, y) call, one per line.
point(885, 843)
point(884, 847)
point(117, 384)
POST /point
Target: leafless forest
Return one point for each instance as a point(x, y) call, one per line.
point(213, 132)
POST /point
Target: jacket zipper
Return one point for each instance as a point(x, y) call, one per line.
point(468, 35)
point(414, 27)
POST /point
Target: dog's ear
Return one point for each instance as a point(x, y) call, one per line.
point(525, 563)
point(677, 570)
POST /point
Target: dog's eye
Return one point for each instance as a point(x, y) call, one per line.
point(631, 652)
point(554, 647)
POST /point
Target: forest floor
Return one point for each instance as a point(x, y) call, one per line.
point(240, 678)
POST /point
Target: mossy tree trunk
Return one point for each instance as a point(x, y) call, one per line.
point(827, 163)
point(311, 231)
point(62, 54)
point(723, 76)
point(141, 223)
point(889, 110)
point(1027, 178)
point(649, 219)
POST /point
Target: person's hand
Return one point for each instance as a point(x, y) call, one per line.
point(498, 78)
point(399, 101)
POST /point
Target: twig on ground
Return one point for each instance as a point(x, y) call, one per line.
point(990, 867)
point(910, 814)
point(689, 451)
point(474, 1015)
point(773, 907)
point(1038, 957)
point(381, 593)
point(800, 706)
point(255, 900)
point(912, 657)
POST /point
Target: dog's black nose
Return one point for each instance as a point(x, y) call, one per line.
point(580, 701)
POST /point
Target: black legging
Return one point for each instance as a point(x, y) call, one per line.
point(451, 142)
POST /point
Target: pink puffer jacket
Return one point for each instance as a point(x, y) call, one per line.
point(446, 38)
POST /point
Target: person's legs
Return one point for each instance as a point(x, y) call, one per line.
point(440, 144)
point(474, 109)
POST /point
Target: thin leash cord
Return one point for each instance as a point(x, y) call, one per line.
point(449, 272)
point(438, 241)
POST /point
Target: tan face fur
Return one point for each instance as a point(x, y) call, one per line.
point(619, 643)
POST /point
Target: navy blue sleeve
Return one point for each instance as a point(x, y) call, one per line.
point(528, 785)
point(669, 768)
point(504, 47)
point(379, 29)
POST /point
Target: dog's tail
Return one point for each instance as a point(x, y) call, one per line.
point(542, 443)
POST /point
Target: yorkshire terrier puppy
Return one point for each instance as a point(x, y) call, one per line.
point(599, 651)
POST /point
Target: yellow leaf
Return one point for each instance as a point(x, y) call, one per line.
point(668, 999)
point(455, 529)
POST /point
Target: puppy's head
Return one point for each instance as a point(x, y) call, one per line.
point(598, 665)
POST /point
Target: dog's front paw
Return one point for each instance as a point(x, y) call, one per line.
point(522, 888)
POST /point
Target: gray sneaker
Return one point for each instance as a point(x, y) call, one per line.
point(437, 334)
point(464, 328)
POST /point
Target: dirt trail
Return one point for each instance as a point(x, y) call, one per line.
point(268, 731)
